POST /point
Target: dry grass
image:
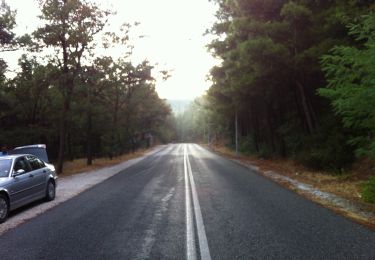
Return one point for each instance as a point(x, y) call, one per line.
point(79, 165)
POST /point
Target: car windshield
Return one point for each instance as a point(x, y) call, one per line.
point(5, 165)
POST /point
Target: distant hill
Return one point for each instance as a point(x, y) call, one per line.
point(179, 106)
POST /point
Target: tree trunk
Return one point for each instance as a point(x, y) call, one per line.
point(62, 137)
point(236, 131)
point(89, 138)
point(66, 104)
point(271, 132)
point(255, 123)
point(89, 129)
point(114, 126)
point(305, 106)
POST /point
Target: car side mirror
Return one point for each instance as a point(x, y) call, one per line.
point(19, 172)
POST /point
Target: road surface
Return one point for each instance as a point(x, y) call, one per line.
point(185, 202)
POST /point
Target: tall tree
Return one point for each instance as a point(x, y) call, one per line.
point(70, 27)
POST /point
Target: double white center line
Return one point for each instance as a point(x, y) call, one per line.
point(191, 253)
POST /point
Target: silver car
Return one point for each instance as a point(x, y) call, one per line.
point(24, 178)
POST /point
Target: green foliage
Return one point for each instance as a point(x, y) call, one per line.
point(8, 39)
point(265, 151)
point(368, 191)
point(350, 71)
point(7, 24)
point(270, 73)
point(326, 149)
point(296, 14)
point(247, 146)
point(31, 103)
point(325, 152)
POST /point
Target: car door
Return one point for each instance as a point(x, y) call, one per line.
point(39, 172)
point(21, 191)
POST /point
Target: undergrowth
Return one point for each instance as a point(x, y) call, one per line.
point(368, 192)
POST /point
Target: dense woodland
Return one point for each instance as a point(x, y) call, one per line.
point(67, 96)
point(299, 77)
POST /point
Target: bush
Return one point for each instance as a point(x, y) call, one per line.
point(247, 146)
point(265, 151)
point(327, 149)
point(368, 192)
point(322, 156)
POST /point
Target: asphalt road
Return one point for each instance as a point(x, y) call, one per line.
point(185, 202)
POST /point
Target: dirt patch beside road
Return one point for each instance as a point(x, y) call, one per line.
point(80, 165)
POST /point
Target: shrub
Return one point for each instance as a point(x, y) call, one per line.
point(368, 192)
point(247, 146)
point(326, 151)
point(265, 151)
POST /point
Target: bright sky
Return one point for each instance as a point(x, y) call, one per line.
point(174, 40)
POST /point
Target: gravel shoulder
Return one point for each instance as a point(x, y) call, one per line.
point(69, 187)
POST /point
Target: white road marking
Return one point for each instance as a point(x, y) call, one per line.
point(202, 238)
point(191, 253)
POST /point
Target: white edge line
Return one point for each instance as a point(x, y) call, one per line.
point(191, 253)
point(202, 238)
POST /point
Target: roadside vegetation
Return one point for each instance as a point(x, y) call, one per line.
point(297, 78)
point(82, 104)
point(368, 192)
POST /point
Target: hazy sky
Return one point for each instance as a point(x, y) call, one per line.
point(174, 40)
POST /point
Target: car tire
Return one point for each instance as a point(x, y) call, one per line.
point(4, 208)
point(50, 191)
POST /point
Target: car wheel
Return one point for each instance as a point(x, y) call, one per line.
point(4, 208)
point(51, 191)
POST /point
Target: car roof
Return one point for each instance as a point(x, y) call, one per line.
point(12, 156)
point(31, 146)
point(39, 150)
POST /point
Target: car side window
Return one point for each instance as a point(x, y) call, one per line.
point(35, 163)
point(5, 167)
point(21, 163)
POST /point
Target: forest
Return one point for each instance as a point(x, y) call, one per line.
point(296, 80)
point(81, 104)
